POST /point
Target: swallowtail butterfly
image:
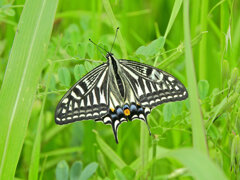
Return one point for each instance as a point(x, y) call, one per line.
point(117, 91)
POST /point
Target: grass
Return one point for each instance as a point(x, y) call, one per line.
point(193, 139)
point(21, 79)
point(199, 139)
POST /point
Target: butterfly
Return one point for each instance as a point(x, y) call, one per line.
point(118, 91)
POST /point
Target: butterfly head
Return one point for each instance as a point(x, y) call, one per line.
point(109, 55)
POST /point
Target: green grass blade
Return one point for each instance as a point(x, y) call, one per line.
point(203, 44)
point(173, 16)
point(113, 20)
point(35, 158)
point(199, 165)
point(199, 139)
point(107, 150)
point(21, 78)
point(144, 141)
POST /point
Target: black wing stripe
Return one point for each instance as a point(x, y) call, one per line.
point(81, 102)
point(156, 86)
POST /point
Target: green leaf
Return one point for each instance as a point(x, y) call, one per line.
point(234, 76)
point(21, 78)
point(9, 12)
point(36, 149)
point(73, 34)
point(213, 132)
point(90, 50)
point(52, 85)
point(79, 71)
point(89, 171)
point(176, 8)
point(225, 70)
point(172, 110)
point(115, 24)
point(88, 66)
point(62, 170)
point(151, 49)
point(235, 153)
point(110, 153)
point(81, 50)
point(64, 76)
point(157, 130)
point(203, 88)
point(199, 164)
point(76, 170)
point(167, 113)
point(128, 172)
point(198, 133)
point(119, 175)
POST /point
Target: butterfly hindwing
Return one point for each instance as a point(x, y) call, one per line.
point(87, 99)
point(152, 86)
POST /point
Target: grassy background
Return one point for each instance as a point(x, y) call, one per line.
point(199, 43)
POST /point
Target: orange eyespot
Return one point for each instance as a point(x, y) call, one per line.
point(112, 109)
point(126, 112)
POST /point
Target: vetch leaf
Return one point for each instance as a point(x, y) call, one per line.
point(151, 49)
point(64, 76)
point(167, 113)
point(75, 171)
point(90, 50)
point(157, 130)
point(72, 34)
point(62, 170)
point(119, 175)
point(88, 66)
point(89, 171)
point(79, 71)
point(81, 50)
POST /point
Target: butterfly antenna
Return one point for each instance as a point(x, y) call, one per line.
point(114, 38)
point(99, 47)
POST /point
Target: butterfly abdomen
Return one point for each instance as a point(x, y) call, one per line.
point(116, 75)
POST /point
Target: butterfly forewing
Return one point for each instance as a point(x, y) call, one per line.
point(87, 99)
point(152, 86)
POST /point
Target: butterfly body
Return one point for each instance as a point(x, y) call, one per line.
point(118, 91)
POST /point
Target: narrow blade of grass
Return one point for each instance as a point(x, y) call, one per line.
point(203, 44)
point(199, 139)
point(173, 16)
point(35, 158)
point(107, 150)
point(21, 78)
point(144, 141)
point(199, 165)
point(113, 20)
